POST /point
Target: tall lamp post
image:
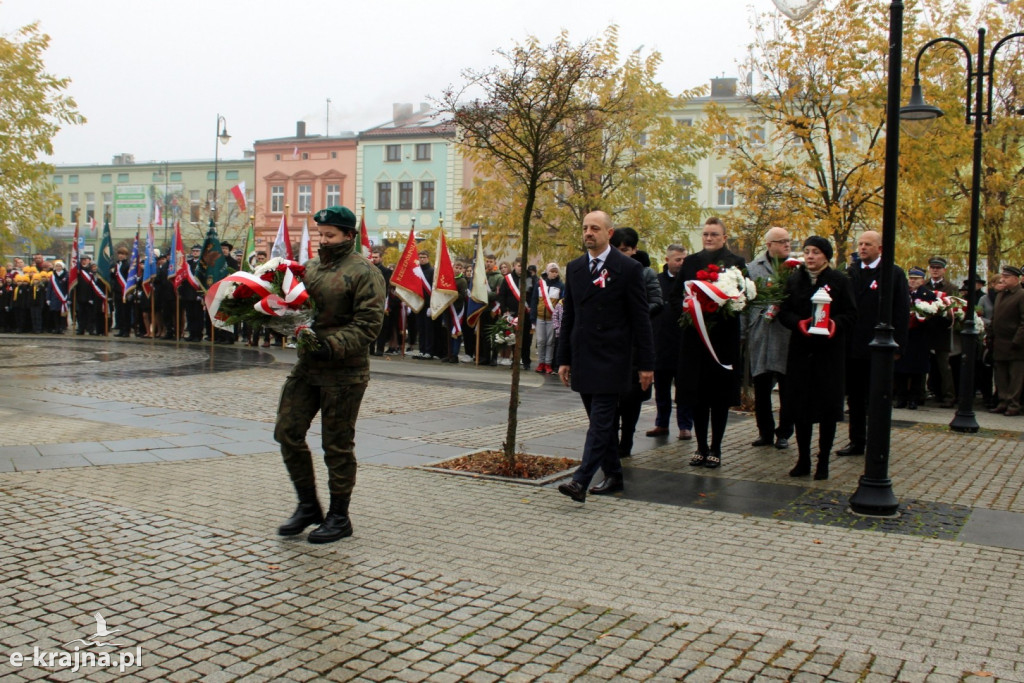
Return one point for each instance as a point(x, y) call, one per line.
point(925, 114)
point(222, 138)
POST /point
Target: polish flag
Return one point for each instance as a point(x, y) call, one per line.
point(305, 247)
point(282, 243)
point(408, 285)
point(157, 215)
point(239, 192)
point(364, 238)
point(444, 291)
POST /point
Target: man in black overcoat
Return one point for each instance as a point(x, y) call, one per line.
point(866, 284)
point(604, 319)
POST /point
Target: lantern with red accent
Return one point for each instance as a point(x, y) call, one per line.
point(822, 303)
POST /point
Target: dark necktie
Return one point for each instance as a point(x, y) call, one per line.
point(594, 265)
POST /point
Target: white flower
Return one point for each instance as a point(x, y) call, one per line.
point(269, 266)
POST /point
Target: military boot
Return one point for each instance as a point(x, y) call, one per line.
point(337, 525)
point(308, 512)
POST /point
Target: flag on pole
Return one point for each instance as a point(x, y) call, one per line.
point(184, 273)
point(133, 270)
point(157, 213)
point(444, 291)
point(249, 253)
point(409, 285)
point(149, 270)
point(175, 258)
point(478, 295)
point(363, 245)
point(282, 243)
point(73, 271)
point(212, 265)
point(105, 260)
point(239, 192)
point(92, 225)
point(305, 248)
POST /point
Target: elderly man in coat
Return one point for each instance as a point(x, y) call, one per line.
point(1008, 342)
point(768, 342)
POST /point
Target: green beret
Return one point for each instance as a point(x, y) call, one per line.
point(338, 216)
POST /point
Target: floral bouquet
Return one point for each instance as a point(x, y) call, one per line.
point(771, 291)
point(942, 305)
point(717, 289)
point(503, 330)
point(272, 296)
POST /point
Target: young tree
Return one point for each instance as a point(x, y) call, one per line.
point(32, 110)
point(533, 119)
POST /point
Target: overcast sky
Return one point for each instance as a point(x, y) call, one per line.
point(151, 77)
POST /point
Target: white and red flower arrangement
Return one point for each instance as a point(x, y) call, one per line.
point(272, 296)
point(503, 330)
point(715, 290)
point(771, 291)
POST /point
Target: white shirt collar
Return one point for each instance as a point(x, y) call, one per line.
point(873, 264)
point(603, 255)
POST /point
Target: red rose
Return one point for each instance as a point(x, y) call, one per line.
point(713, 268)
point(243, 292)
point(711, 307)
point(298, 270)
point(268, 276)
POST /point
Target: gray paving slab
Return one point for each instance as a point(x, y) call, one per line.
point(19, 451)
point(27, 463)
point(186, 453)
point(994, 527)
point(6, 465)
point(75, 448)
point(121, 457)
point(246, 447)
point(140, 444)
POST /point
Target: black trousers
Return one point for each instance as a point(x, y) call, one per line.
point(763, 413)
point(858, 381)
point(601, 448)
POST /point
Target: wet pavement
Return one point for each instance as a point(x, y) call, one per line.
point(734, 574)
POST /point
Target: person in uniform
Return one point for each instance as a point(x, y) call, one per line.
point(331, 378)
point(940, 380)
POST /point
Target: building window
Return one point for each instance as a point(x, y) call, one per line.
point(277, 157)
point(305, 155)
point(332, 195)
point(122, 177)
point(230, 175)
point(756, 132)
point(427, 194)
point(726, 196)
point(73, 201)
point(108, 201)
point(175, 176)
point(90, 205)
point(58, 180)
point(404, 195)
point(193, 205)
point(423, 151)
point(211, 175)
point(686, 123)
point(392, 152)
point(105, 178)
point(684, 189)
point(334, 155)
point(158, 176)
point(305, 198)
point(384, 196)
point(73, 179)
point(276, 198)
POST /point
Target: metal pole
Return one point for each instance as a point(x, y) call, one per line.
point(874, 495)
point(965, 420)
point(216, 174)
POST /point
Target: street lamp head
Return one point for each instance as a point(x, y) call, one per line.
point(223, 136)
point(917, 115)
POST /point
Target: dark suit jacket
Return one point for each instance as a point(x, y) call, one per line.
point(864, 282)
point(940, 337)
point(604, 325)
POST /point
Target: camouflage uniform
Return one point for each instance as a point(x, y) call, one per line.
point(349, 294)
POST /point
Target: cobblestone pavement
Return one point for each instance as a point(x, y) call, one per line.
point(453, 578)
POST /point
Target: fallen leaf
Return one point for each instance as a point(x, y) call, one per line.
point(701, 495)
point(525, 500)
point(982, 674)
point(817, 542)
point(273, 566)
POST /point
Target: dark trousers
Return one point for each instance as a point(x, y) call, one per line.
point(718, 416)
point(339, 408)
point(908, 386)
point(765, 417)
point(86, 313)
point(826, 437)
point(630, 404)
point(663, 380)
point(940, 380)
point(858, 381)
point(601, 448)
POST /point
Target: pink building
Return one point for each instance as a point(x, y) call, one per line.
point(297, 176)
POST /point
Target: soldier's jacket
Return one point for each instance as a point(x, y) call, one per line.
point(349, 294)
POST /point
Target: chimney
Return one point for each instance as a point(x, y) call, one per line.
point(723, 87)
point(401, 112)
point(300, 129)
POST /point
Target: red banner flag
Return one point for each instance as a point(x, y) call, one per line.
point(444, 291)
point(239, 192)
point(408, 284)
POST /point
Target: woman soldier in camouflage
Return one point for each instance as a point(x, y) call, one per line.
point(349, 294)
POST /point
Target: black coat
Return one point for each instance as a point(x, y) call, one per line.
point(603, 325)
point(667, 334)
point(914, 355)
point(816, 366)
point(865, 283)
point(699, 379)
point(940, 337)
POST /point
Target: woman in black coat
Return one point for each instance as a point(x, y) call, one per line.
point(816, 364)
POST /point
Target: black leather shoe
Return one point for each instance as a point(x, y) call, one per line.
point(714, 459)
point(609, 485)
point(574, 490)
point(801, 469)
point(308, 512)
point(781, 444)
point(336, 524)
point(762, 441)
point(852, 449)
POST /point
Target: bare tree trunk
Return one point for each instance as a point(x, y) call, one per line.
point(517, 353)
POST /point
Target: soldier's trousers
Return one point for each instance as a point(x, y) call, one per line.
point(339, 408)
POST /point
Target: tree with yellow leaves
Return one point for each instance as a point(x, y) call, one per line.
point(32, 110)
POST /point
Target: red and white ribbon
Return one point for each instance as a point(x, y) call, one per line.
point(511, 282)
point(692, 305)
point(602, 279)
point(546, 297)
point(295, 295)
point(60, 295)
point(457, 322)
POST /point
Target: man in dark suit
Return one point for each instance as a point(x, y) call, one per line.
point(865, 279)
point(940, 379)
point(604, 318)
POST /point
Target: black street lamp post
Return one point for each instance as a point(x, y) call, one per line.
point(222, 138)
point(918, 110)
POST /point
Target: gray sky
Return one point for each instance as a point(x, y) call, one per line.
point(151, 77)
